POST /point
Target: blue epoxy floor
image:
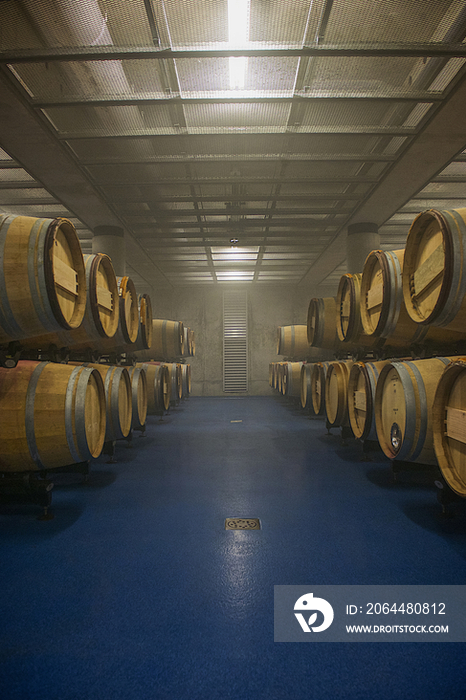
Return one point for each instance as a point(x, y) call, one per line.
point(136, 591)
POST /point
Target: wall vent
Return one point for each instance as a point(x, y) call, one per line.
point(235, 341)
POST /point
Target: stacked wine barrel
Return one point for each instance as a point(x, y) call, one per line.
point(70, 331)
point(397, 333)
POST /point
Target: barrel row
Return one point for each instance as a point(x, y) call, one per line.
point(413, 297)
point(414, 409)
point(171, 340)
point(54, 415)
point(51, 296)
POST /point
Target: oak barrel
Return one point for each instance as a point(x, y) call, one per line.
point(361, 395)
point(118, 399)
point(383, 311)
point(138, 378)
point(42, 277)
point(158, 387)
point(434, 274)
point(449, 425)
point(292, 341)
point(318, 376)
point(305, 392)
point(404, 398)
point(51, 415)
point(186, 380)
point(336, 393)
point(167, 341)
point(322, 322)
point(192, 343)
point(293, 379)
point(350, 330)
point(144, 337)
point(102, 310)
point(175, 382)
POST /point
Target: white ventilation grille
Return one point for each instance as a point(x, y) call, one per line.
point(235, 341)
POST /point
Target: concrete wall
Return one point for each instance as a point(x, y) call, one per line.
point(201, 308)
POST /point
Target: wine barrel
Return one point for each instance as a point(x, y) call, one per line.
point(306, 392)
point(192, 343)
point(403, 408)
point(42, 277)
point(167, 341)
point(158, 387)
point(278, 376)
point(361, 394)
point(118, 399)
point(449, 425)
point(293, 379)
point(292, 341)
point(51, 415)
point(128, 326)
point(188, 342)
point(175, 382)
point(383, 311)
point(336, 393)
point(138, 378)
point(144, 337)
point(186, 380)
point(318, 377)
point(350, 330)
point(434, 274)
point(321, 322)
point(101, 315)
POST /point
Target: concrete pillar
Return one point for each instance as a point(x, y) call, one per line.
point(111, 241)
point(361, 239)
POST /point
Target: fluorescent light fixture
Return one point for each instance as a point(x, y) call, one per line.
point(238, 35)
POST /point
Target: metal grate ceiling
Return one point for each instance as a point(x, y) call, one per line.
point(192, 132)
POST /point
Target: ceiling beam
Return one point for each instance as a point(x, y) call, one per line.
point(121, 53)
point(240, 130)
point(418, 96)
point(220, 181)
point(228, 198)
point(208, 157)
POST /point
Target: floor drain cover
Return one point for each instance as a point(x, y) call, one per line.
point(242, 524)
